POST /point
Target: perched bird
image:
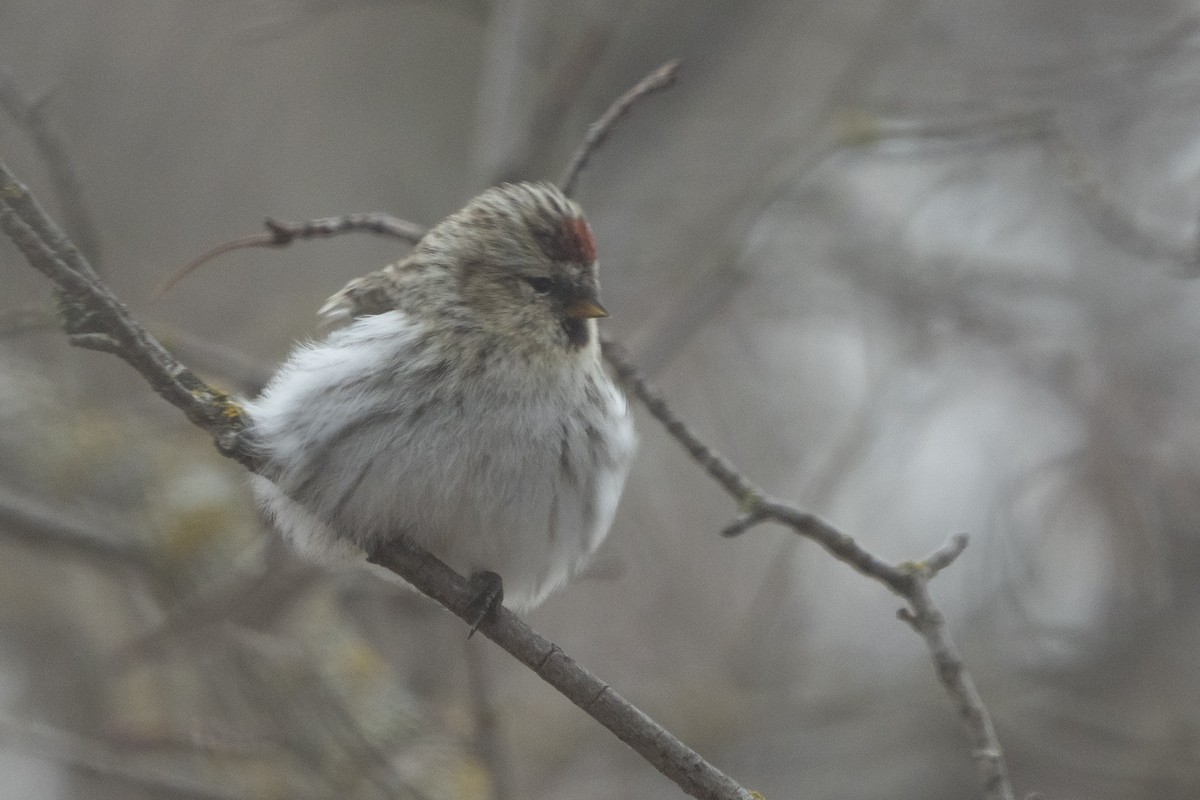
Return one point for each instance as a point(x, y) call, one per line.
point(463, 404)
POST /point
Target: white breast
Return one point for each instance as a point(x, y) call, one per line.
point(379, 431)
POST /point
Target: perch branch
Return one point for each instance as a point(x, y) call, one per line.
point(92, 311)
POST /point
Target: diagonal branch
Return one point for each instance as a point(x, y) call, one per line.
point(94, 317)
point(908, 580)
point(657, 745)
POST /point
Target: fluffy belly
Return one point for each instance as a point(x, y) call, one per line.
point(524, 484)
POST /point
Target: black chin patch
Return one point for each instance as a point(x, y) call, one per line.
point(577, 331)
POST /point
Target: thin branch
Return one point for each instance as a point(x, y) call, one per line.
point(30, 113)
point(282, 234)
point(545, 120)
point(908, 580)
point(927, 620)
point(718, 468)
point(659, 79)
point(91, 309)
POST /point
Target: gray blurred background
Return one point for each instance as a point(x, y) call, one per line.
point(922, 267)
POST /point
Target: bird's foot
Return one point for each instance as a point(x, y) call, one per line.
point(487, 594)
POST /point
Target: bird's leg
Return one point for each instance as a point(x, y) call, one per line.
point(487, 593)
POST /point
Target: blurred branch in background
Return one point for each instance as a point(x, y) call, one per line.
point(30, 114)
point(30, 520)
point(286, 17)
point(489, 742)
point(108, 759)
point(1112, 218)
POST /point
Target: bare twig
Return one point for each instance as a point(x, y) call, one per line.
point(908, 580)
point(30, 113)
point(927, 620)
point(659, 79)
point(281, 234)
point(92, 311)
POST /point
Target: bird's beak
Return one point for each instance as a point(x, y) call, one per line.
point(585, 309)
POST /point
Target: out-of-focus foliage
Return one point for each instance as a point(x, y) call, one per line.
point(921, 266)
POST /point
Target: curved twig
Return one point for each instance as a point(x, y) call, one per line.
point(656, 81)
point(281, 234)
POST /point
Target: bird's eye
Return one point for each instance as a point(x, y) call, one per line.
point(540, 285)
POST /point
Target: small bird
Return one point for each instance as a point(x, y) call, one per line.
point(463, 404)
